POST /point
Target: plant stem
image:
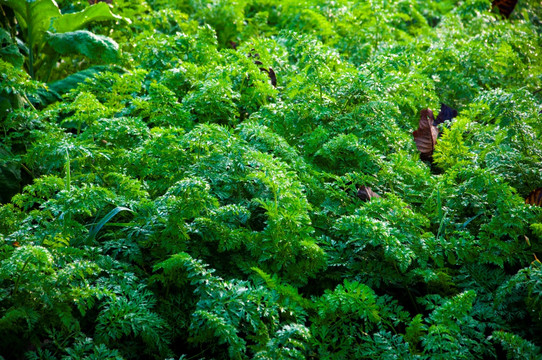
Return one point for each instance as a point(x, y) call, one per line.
point(16, 288)
point(30, 41)
point(68, 173)
point(67, 218)
point(441, 223)
point(23, 166)
point(29, 102)
point(52, 63)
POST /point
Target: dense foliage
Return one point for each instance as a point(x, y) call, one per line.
point(239, 180)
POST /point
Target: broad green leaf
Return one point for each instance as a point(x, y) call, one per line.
point(5, 106)
point(9, 51)
point(74, 21)
point(10, 176)
point(39, 16)
point(71, 82)
point(44, 97)
point(95, 47)
point(34, 17)
point(60, 87)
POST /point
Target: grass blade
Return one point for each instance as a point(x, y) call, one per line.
point(94, 231)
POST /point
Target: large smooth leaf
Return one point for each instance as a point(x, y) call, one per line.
point(82, 42)
point(56, 89)
point(9, 51)
point(10, 176)
point(39, 16)
point(43, 97)
point(5, 106)
point(75, 21)
point(71, 82)
point(34, 16)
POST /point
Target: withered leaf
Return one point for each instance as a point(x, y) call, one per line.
point(426, 134)
point(272, 77)
point(366, 194)
point(446, 113)
point(270, 72)
point(535, 197)
point(505, 6)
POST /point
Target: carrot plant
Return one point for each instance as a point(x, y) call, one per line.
point(270, 180)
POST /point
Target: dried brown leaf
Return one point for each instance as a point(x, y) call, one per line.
point(445, 113)
point(426, 134)
point(535, 197)
point(365, 193)
point(505, 6)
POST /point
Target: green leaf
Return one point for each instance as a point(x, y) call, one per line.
point(9, 51)
point(94, 231)
point(72, 81)
point(94, 47)
point(5, 106)
point(10, 176)
point(464, 225)
point(44, 97)
point(39, 16)
point(34, 16)
point(58, 88)
point(74, 21)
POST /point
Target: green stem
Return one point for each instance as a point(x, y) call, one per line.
point(68, 172)
point(441, 223)
point(67, 218)
point(27, 170)
point(29, 102)
point(30, 41)
point(52, 63)
point(16, 289)
point(198, 354)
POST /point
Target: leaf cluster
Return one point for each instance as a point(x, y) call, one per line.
point(185, 203)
